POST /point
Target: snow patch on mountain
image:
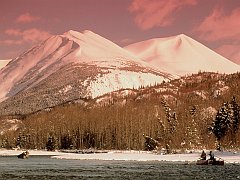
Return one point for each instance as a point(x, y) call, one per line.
point(3, 63)
point(119, 79)
point(201, 93)
point(220, 91)
point(9, 125)
point(65, 89)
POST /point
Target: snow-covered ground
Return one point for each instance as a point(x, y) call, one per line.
point(4, 152)
point(120, 79)
point(228, 157)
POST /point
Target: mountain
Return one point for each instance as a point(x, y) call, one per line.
point(69, 67)
point(181, 55)
point(3, 63)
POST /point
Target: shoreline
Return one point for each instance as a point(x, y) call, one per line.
point(131, 155)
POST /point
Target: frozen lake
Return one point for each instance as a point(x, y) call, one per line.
point(44, 167)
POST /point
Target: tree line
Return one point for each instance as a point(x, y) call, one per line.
point(176, 120)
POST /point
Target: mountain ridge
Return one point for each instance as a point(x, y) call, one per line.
point(181, 55)
point(72, 66)
point(85, 65)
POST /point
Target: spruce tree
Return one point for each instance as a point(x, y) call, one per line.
point(21, 141)
point(171, 124)
point(221, 122)
point(191, 129)
point(235, 109)
point(227, 120)
point(150, 144)
point(51, 144)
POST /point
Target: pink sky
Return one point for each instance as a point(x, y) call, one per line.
point(215, 23)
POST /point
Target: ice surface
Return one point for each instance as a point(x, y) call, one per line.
point(229, 157)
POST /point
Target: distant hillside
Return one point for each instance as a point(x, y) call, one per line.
point(179, 113)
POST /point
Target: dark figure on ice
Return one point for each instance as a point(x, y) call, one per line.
point(23, 155)
point(211, 156)
point(203, 156)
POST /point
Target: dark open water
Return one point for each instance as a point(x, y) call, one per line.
point(43, 167)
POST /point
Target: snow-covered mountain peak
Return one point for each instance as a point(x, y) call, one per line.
point(180, 38)
point(183, 36)
point(71, 32)
point(77, 33)
point(181, 55)
point(81, 64)
point(92, 45)
point(92, 34)
point(86, 36)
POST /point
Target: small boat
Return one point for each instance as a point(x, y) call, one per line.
point(210, 162)
point(202, 162)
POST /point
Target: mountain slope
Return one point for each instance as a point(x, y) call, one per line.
point(181, 55)
point(3, 63)
point(68, 67)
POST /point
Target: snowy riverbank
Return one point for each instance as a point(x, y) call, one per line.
point(4, 152)
point(229, 157)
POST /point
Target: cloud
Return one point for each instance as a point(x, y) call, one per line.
point(11, 42)
point(220, 26)
point(230, 51)
point(27, 18)
point(13, 32)
point(34, 35)
point(157, 13)
point(24, 36)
